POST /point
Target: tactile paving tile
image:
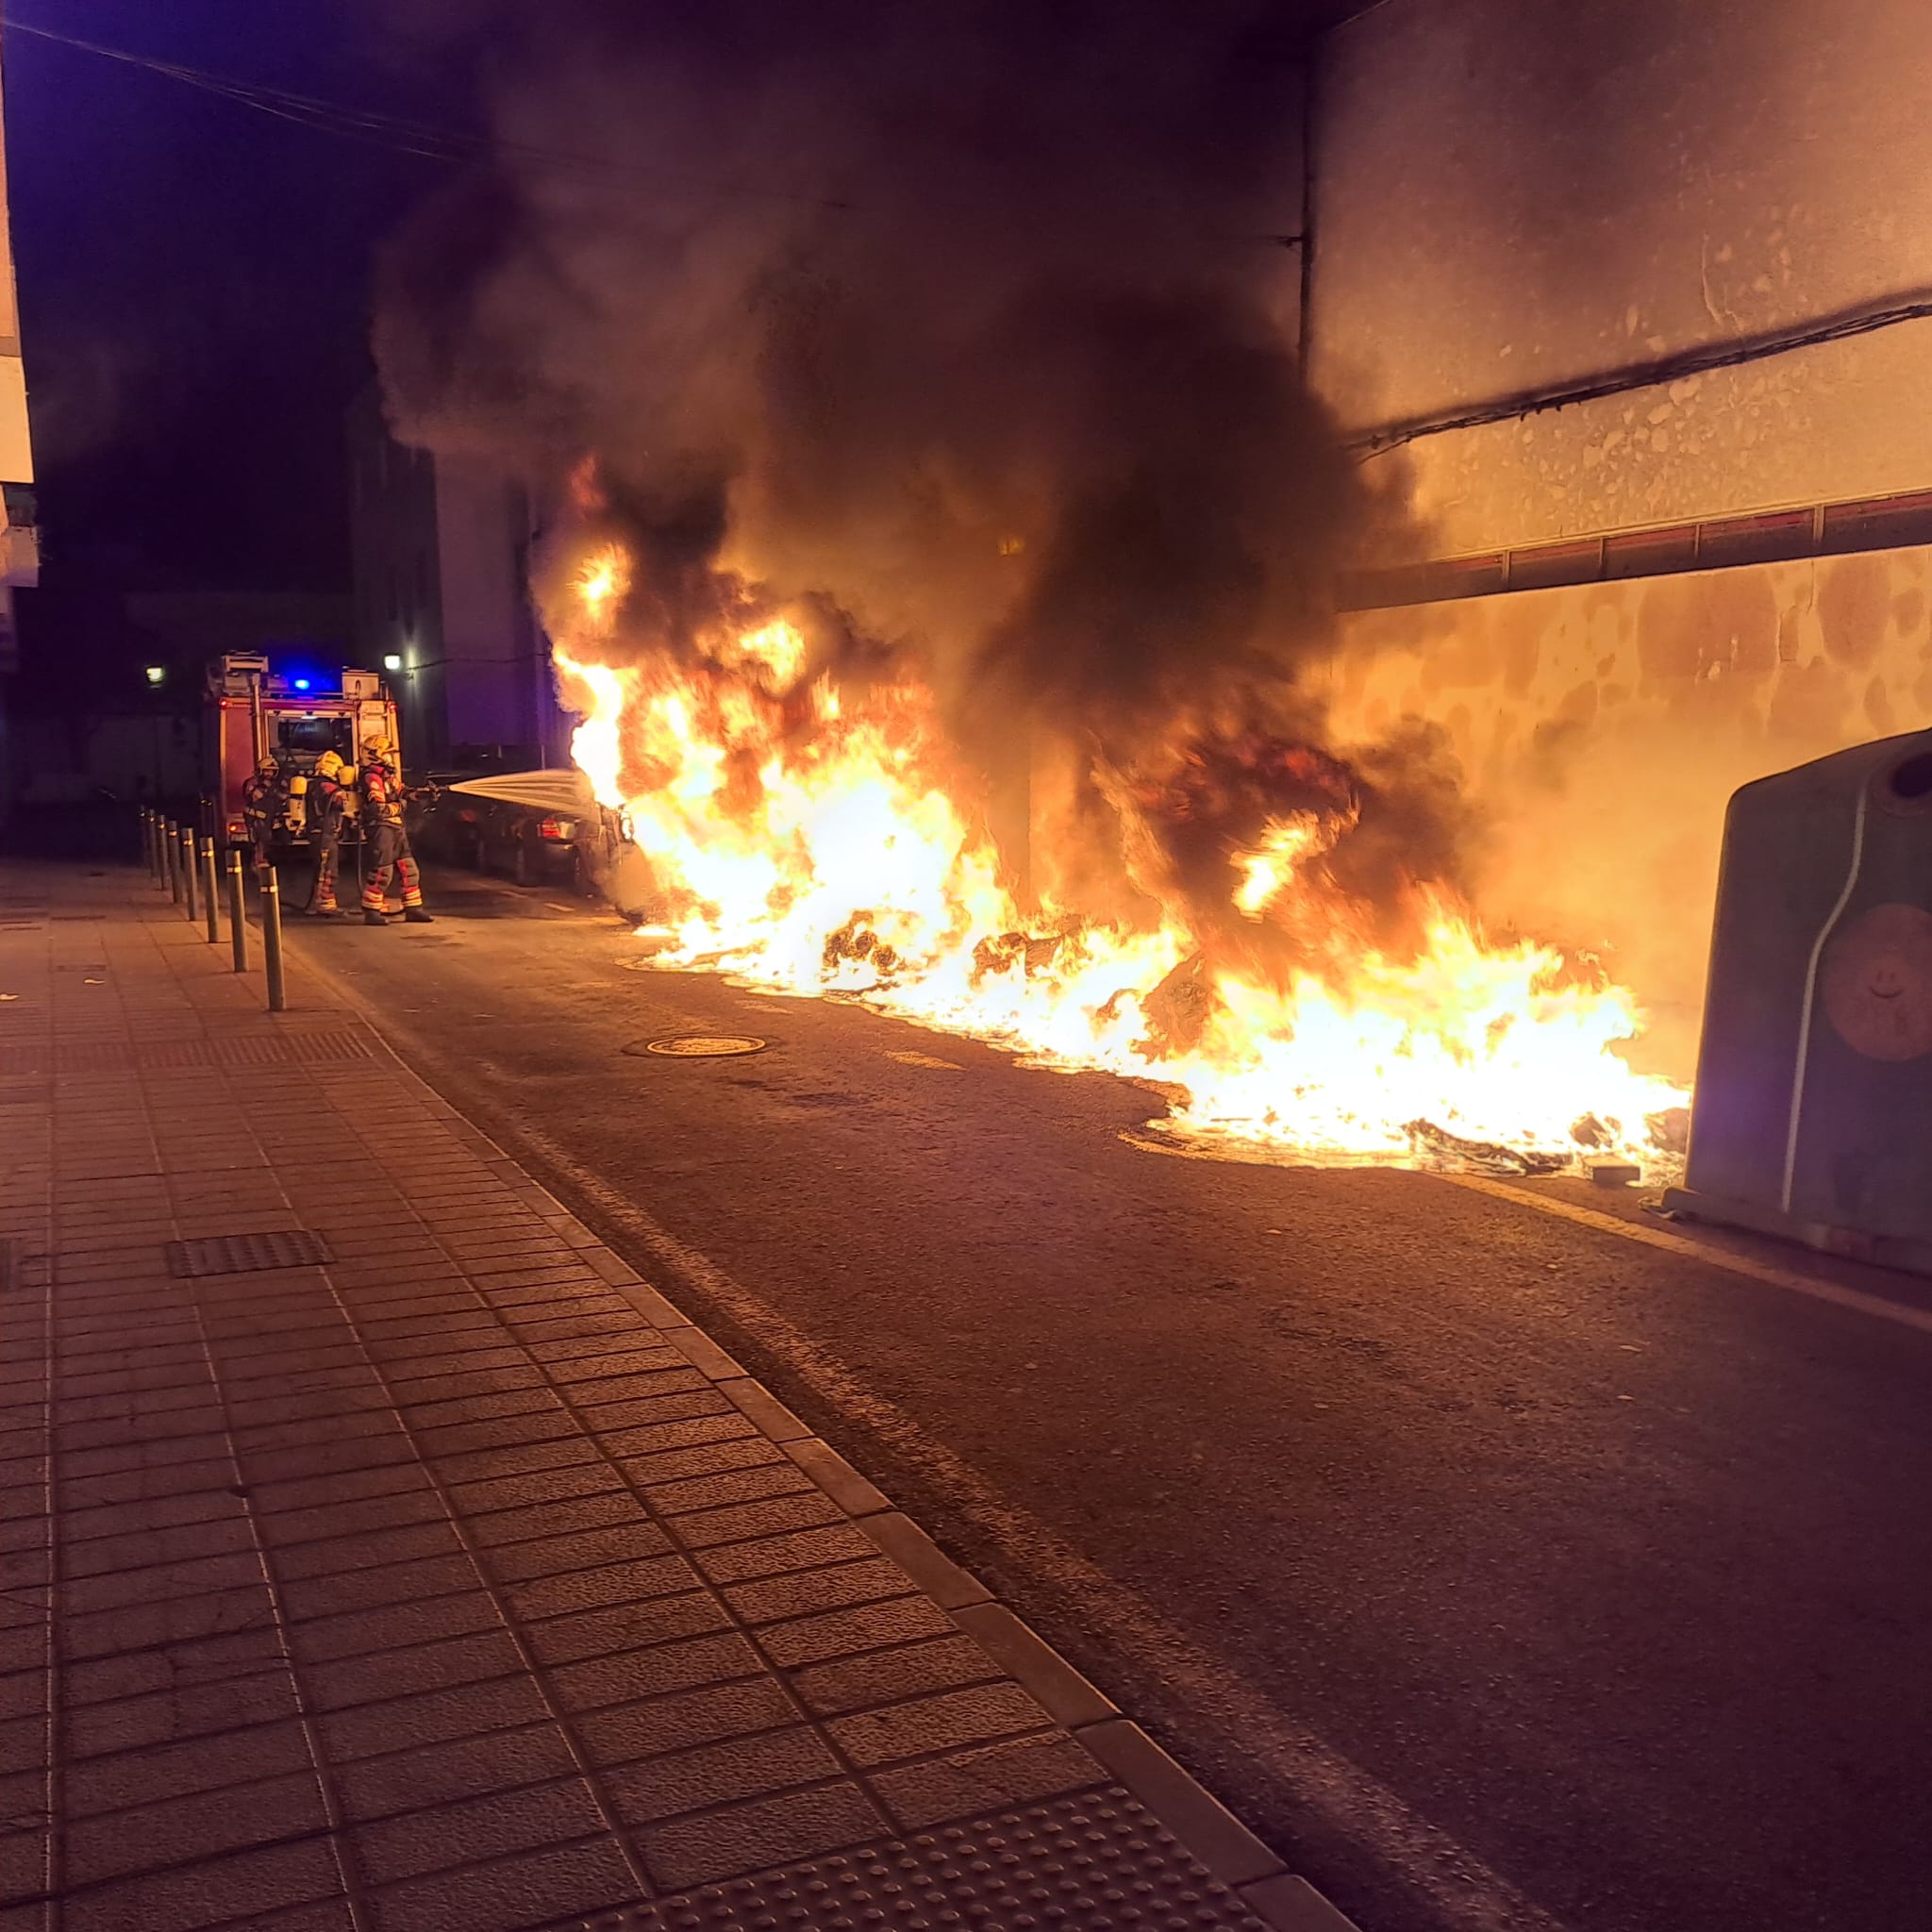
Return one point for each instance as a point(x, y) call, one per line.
point(1090, 1863)
point(164, 1055)
point(238, 1254)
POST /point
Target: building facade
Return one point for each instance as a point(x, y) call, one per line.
point(1711, 227)
point(441, 552)
point(19, 559)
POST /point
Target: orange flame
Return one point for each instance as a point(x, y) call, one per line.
point(804, 841)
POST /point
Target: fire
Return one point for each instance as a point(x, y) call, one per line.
point(807, 840)
point(1267, 871)
point(602, 582)
point(773, 654)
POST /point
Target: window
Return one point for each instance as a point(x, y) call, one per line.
point(314, 736)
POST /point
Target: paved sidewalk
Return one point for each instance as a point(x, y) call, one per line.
point(379, 1553)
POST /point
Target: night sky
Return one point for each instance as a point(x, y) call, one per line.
point(193, 283)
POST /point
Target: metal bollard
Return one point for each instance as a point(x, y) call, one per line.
point(186, 860)
point(210, 894)
point(272, 939)
point(156, 870)
point(238, 922)
point(171, 857)
point(147, 843)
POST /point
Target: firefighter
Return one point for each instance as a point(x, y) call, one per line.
point(328, 803)
point(383, 798)
point(260, 800)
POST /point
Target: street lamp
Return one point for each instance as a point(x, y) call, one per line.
point(392, 663)
point(157, 674)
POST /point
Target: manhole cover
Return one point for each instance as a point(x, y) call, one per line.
point(698, 1046)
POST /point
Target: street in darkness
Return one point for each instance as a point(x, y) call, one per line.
point(1512, 1572)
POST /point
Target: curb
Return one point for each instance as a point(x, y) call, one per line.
point(1224, 1847)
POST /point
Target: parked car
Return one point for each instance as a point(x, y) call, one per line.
point(538, 848)
point(544, 827)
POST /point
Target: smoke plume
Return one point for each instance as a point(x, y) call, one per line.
point(966, 329)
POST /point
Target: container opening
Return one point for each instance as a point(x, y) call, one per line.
point(1912, 777)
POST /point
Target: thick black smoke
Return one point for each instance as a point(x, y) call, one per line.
point(969, 322)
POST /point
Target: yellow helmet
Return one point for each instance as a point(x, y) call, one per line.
point(380, 751)
point(329, 765)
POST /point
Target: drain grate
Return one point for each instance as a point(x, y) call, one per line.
point(268, 1051)
point(699, 1046)
point(1094, 1863)
point(242, 1254)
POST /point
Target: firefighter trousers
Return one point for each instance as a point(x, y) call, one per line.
point(328, 856)
point(389, 847)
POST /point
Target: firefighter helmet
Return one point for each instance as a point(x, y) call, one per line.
point(329, 765)
point(379, 751)
point(265, 766)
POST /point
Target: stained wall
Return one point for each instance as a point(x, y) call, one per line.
point(1512, 194)
point(1603, 728)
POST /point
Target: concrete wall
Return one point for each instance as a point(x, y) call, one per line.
point(438, 547)
point(497, 676)
point(188, 629)
point(1512, 194)
point(136, 756)
point(392, 560)
point(1604, 728)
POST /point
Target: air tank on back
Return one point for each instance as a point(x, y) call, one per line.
point(1812, 1116)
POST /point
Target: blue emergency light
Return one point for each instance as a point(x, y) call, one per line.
point(301, 684)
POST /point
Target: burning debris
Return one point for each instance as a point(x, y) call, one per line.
point(1481, 1156)
point(1279, 988)
point(942, 542)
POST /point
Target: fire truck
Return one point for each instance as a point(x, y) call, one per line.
point(291, 717)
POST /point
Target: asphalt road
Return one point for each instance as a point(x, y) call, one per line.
point(1502, 1570)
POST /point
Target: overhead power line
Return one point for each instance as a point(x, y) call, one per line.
point(1734, 354)
point(398, 133)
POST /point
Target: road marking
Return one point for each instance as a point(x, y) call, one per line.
point(1770, 1272)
